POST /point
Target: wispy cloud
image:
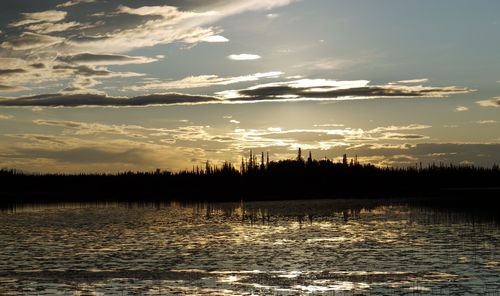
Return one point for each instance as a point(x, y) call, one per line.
point(47, 153)
point(203, 81)
point(488, 121)
point(323, 138)
point(73, 3)
point(461, 109)
point(62, 35)
point(81, 146)
point(414, 81)
point(185, 133)
point(51, 16)
point(27, 41)
point(83, 128)
point(244, 57)
point(324, 64)
point(5, 117)
point(494, 102)
point(215, 39)
point(46, 28)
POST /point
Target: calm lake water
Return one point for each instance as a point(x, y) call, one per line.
point(268, 248)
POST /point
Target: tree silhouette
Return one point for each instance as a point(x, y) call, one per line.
point(283, 179)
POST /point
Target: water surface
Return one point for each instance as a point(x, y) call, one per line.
point(279, 248)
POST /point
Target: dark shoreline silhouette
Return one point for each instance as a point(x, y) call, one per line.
point(262, 179)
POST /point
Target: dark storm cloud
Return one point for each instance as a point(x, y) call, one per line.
point(77, 100)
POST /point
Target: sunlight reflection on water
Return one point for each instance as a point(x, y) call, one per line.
point(281, 248)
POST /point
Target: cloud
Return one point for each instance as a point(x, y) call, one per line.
point(203, 81)
point(80, 146)
point(51, 16)
point(165, 11)
point(494, 102)
point(148, 26)
point(324, 89)
point(91, 139)
point(47, 153)
point(10, 63)
point(46, 28)
point(244, 57)
point(73, 3)
point(102, 39)
point(413, 81)
point(91, 71)
point(62, 153)
point(27, 41)
point(490, 121)
point(188, 133)
point(324, 138)
point(14, 72)
point(81, 84)
point(234, 121)
point(104, 59)
point(479, 154)
point(79, 100)
point(398, 136)
point(409, 127)
point(297, 90)
point(329, 125)
point(401, 155)
point(461, 109)
point(5, 117)
point(234, 7)
point(11, 71)
point(11, 88)
point(325, 64)
point(12, 80)
point(46, 22)
point(83, 128)
point(215, 39)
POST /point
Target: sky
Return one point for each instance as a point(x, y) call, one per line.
point(108, 86)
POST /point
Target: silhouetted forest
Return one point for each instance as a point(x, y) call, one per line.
point(258, 178)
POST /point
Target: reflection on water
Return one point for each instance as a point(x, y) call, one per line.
point(279, 248)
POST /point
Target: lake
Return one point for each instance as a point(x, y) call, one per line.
point(323, 247)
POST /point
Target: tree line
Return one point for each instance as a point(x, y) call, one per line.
point(257, 178)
